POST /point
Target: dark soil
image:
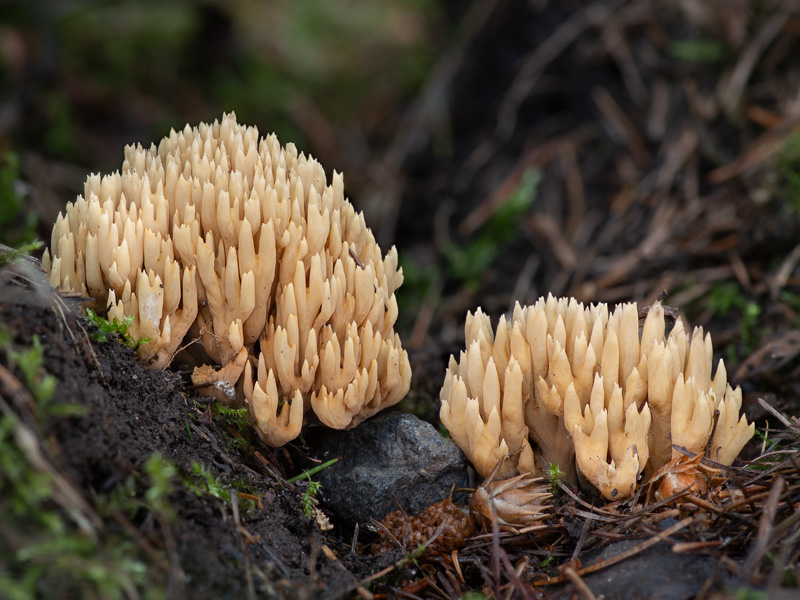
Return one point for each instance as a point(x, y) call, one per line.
point(130, 413)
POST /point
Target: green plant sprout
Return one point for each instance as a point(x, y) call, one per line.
point(764, 437)
point(313, 487)
point(768, 445)
point(115, 329)
point(554, 474)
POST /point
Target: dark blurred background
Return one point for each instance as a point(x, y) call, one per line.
point(79, 79)
point(510, 148)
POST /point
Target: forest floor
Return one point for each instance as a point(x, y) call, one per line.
point(601, 150)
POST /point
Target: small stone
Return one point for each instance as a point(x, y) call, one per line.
point(669, 575)
point(394, 460)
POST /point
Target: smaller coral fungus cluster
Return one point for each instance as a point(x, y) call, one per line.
point(583, 386)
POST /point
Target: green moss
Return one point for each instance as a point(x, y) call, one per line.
point(727, 299)
point(14, 255)
point(238, 424)
point(311, 491)
point(554, 474)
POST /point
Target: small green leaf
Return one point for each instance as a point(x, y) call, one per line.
point(114, 329)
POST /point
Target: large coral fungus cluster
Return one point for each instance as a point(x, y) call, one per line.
point(582, 386)
point(223, 237)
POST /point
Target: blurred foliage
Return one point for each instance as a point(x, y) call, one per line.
point(80, 79)
point(749, 329)
point(17, 226)
point(724, 297)
point(699, 50)
point(467, 262)
point(789, 172)
point(169, 62)
point(727, 300)
point(31, 362)
point(793, 300)
point(162, 474)
point(418, 277)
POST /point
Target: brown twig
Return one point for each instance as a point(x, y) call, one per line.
point(731, 93)
point(495, 547)
point(765, 528)
point(251, 589)
point(579, 584)
point(544, 54)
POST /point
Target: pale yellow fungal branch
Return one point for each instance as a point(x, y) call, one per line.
point(581, 387)
point(226, 237)
point(610, 442)
point(484, 414)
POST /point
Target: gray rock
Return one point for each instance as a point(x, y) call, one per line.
point(657, 573)
point(394, 458)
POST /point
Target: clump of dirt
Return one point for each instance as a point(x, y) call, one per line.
point(229, 523)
